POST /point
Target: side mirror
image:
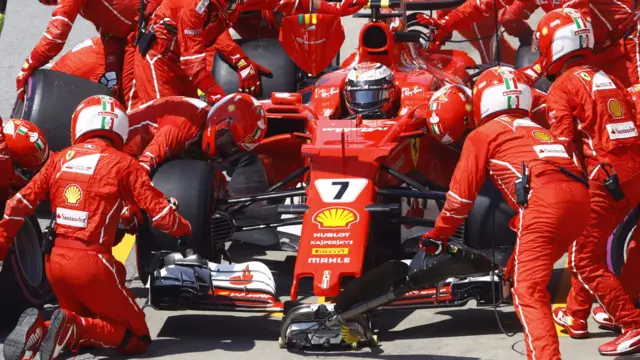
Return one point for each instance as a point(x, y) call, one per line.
point(282, 98)
point(312, 40)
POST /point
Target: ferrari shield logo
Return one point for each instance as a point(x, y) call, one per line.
point(415, 148)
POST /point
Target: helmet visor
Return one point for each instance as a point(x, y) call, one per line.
point(367, 99)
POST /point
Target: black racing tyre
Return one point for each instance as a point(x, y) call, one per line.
point(23, 279)
point(191, 182)
point(488, 222)
point(51, 98)
point(620, 240)
point(268, 53)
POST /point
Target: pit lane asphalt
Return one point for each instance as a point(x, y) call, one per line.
point(447, 334)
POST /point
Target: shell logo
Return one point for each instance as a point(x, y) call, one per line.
point(615, 108)
point(542, 136)
point(72, 194)
point(335, 218)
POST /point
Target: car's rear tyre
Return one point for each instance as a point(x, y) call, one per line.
point(620, 240)
point(51, 98)
point(268, 53)
point(192, 183)
point(23, 279)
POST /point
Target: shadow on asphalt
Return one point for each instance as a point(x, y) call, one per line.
point(378, 353)
point(183, 334)
point(461, 322)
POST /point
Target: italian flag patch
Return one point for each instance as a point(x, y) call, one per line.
point(109, 109)
point(39, 145)
point(513, 101)
point(435, 129)
point(22, 130)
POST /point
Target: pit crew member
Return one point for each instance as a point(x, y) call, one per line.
point(234, 125)
point(164, 128)
point(629, 270)
point(614, 24)
point(86, 185)
point(172, 54)
point(115, 20)
point(512, 150)
point(87, 61)
point(23, 147)
point(481, 33)
point(607, 145)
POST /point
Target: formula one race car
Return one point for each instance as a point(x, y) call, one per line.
point(359, 174)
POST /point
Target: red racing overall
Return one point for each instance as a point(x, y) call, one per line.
point(86, 185)
point(164, 128)
point(592, 114)
point(619, 59)
point(498, 149)
point(115, 20)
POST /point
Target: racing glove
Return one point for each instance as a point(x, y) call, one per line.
point(33, 62)
point(249, 75)
point(212, 95)
point(532, 73)
point(444, 27)
point(433, 243)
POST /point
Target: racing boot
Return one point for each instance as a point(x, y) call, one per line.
point(577, 329)
point(62, 332)
point(602, 318)
point(625, 344)
point(24, 341)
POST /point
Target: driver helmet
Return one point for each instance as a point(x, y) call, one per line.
point(450, 114)
point(561, 34)
point(26, 143)
point(100, 116)
point(235, 124)
point(500, 90)
point(370, 89)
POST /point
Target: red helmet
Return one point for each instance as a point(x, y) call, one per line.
point(235, 123)
point(450, 114)
point(500, 90)
point(103, 116)
point(561, 34)
point(27, 145)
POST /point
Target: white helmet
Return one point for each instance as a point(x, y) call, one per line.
point(100, 115)
point(498, 91)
